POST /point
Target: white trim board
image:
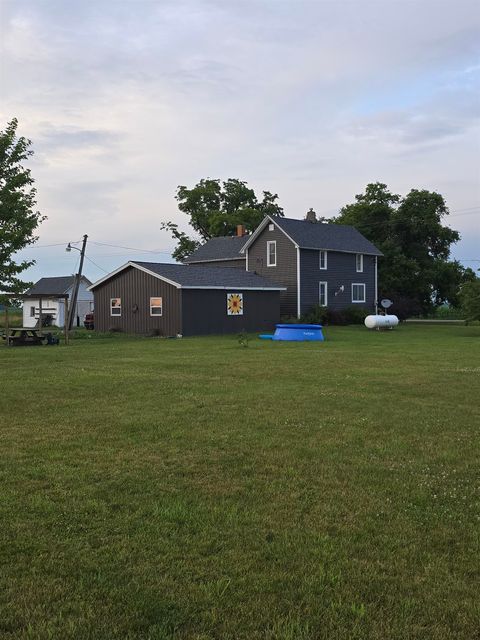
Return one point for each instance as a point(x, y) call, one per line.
point(233, 288)
point(136, 266)
point(298, 284)
point(260, 228)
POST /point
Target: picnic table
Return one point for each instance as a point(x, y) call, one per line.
point(25, 336)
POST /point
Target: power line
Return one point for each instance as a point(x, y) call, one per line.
point(96, 265)
point(44, 246)
point(119, 246)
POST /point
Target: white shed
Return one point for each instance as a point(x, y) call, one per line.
point(54, 306)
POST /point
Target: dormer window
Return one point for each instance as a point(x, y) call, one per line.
point(323, 260)
point(271, 253)
point(359, 262)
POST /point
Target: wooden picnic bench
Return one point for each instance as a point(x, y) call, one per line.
point(24, 337)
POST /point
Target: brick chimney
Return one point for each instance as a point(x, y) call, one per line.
point(311, 216)
point(241, 230)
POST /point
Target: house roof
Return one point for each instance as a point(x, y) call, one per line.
point(318, 235)
point(198, 277)
point(222, 248)
point(51, 286)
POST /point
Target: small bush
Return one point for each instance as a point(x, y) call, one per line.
point(315, 315)
point(289, 320)
point(324, 315)
point(405, 308)
point(243, 339)
point(337, 317)
point(355, 315)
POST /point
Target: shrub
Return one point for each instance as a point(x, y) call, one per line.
point(337, 317)
point(289, 320)
point(324, 315)
point(315, 315)
point(405, 308)
point(355, 315)
point(243, 338)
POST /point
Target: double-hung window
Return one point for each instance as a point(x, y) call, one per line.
point(323, 260)
point(271, 253)
point(322, 294)
point(115, 306)
point(359, 262)
point(155, 306)
point(358, 292)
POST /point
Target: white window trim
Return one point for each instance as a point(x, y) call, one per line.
point(271, 226)
point(326, 293)
point(271, 264)
point(115, 315)
point(320, 260)
point(156, 315)
point(359, 284)
point(361, 262)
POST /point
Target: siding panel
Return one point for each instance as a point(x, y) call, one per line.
point(205, 311)
point(285, 273)
point(135, 287)
point(341, 270)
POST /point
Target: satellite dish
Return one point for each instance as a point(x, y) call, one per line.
point(386, 303)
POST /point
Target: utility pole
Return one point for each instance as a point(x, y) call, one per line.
point(73, 303)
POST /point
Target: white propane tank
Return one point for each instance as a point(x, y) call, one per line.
point(380, 322)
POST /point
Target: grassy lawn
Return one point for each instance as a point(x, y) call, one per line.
point(196, 489)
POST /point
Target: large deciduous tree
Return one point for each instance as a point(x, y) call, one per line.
point(416, 272)
point(18, 218)
point(215, 208)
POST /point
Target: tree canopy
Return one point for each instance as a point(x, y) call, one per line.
point(416, 271)
point(470, 300)
point(18, 218)
point(215, 208)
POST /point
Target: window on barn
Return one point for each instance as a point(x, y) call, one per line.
point(358, 292)
point(32, 312)
point(323, 260)
point(271, 227)
point(271, 253)
point(155, 306)
point(322, 294)
point(115, 306)
point(359, 262)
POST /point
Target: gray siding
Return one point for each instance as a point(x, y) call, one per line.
point(285, 273)
point(234, 264)
point(205, 311)
point(341, 270)
point(135, 287)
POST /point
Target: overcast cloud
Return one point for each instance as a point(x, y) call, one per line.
point(125, 100)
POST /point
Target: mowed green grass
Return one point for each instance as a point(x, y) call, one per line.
point(195, 489)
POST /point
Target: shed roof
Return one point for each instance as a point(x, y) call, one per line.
point(52, 286)
point(198, 277)
point(318, 235)
point(221, 248)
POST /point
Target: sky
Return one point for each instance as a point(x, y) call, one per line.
point(124, 100)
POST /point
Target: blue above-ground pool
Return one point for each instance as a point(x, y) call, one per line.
point(296, 333)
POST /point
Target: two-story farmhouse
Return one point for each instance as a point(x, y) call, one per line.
point(319, 264)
